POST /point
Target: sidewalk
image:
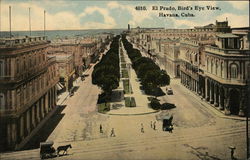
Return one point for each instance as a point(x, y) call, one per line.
point(210, 107)
point(62, 97)
point(65, 95)
point(206, 104)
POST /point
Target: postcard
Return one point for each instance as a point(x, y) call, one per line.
point(124, 80)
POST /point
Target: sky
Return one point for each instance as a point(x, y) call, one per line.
point(83, 14)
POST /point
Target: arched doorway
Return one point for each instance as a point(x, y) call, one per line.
point(234, 101)
point(216, 99)
point(208, 90)
point(178, 70)
point(222, 98)
point(212, 93)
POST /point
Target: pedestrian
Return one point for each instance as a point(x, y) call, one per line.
point(232, 148)
point(101, 131)
point(171, 129)
point(112, 133)
point(151, 124)
point(154, 125)
point(142, 129)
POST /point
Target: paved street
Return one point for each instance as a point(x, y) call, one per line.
point(199, 131)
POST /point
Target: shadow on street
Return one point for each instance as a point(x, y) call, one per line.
point(46, 129)
point(201, 153)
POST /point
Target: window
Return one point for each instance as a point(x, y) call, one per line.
point(33, 87)
point(30, 61)
point(221, 69)
point(1, 68)
point(216, 67)
point(212, 65)
point(248, 71)
point(234, 71)
point(24, 62)
point(208, 65)
point(34, 59)
point(2, 103)
point(17, 66)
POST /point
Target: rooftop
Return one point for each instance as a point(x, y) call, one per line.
point(21, 41)
point(227, 35)
point(60, 56)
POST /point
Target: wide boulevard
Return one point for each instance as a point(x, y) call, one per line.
point(200, 132)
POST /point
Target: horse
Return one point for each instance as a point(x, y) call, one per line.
point(63, 148)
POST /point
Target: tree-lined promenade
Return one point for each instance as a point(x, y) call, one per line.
point(200, 132)
point(106, 73)
point(151, 76)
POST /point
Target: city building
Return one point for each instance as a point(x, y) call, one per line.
point(71, 47)
point(90, 49)
point(227, 73)
point(210, 60)
point(142, 37)
point(27, 88)
point(244, 34)
point(84, 50)
point(189, 54)
point(172, 60)
point(65, 69)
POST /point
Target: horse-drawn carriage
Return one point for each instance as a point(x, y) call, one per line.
point(167, 123)
point(48, 151)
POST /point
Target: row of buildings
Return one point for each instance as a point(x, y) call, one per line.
point(212, 61)
point(32, 70)
point(74, 55)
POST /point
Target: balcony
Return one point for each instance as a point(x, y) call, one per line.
point(227, 52)
point(240, 82)
point(51, 60)
point(27, 74)
point(22, 107)
point(21, 42)
point(194, 75)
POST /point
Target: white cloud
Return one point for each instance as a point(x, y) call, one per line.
point(239, 4)
point(137, 16)
point(113, 4)
point(70, 19)
point(109, 21)
point(234, 20)
point(183, 22)
point(20, 19)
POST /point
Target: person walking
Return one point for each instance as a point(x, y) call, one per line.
point(151, 124)
point(154, 125)
point(142, 129)
point(101, 131)
point(232, 148)
point(112, 133)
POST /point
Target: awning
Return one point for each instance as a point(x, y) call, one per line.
point(59, 86)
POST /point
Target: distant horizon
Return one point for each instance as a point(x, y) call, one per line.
point(86, 15)
point(60, 30)
point(105, 29)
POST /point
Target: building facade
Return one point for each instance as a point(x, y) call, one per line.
point(65, 66)
point(213, 62)
point(189, 55)
point(227, 73)
point(27, 88)
point(70, 47)
point(172, 58)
